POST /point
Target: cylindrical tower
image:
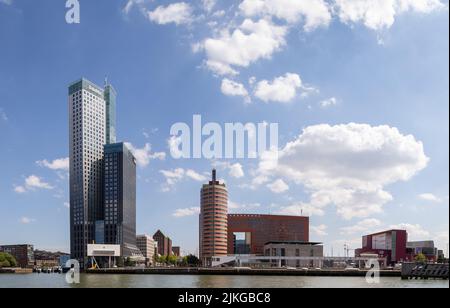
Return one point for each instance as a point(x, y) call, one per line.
point(213, 220)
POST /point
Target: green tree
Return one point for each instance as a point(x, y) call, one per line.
point(7, 260)
point(191, 260)
point(421, 258)
point(173, 260)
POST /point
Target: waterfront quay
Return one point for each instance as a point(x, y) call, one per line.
point(241, 272)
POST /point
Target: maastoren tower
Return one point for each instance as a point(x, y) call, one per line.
point(91, 126)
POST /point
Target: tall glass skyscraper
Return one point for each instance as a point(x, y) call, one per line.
point(120, 199)
point(87, 126)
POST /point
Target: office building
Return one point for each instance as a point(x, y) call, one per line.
point(87, 126)
point(176, 251)
point(295, 249)
point(248, 233)
point(120, 198)
point(148, 247)
point(24, 254)
point(389, 244)
point(164, 243)
point(213, 228)
point(427, 248)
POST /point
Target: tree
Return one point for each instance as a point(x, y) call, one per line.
point(191, 260)
point(421, 258)
point(7, 260)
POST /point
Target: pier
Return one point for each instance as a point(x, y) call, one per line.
point(425, 271)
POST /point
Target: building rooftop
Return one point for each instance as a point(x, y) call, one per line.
point(294, 243)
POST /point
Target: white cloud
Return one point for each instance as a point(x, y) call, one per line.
point(177, 13)
point(144, 155)
point(57, 164)
point(281, 90)
point(32, 182)
point(67, 205)
point(3, 116)
point(195, 176)
point(20, 189)
point(234, 170)
point(179, 213)
point(209, 5)
point(26, 220)
point(232, 88)
point(329, 102)
point(242, 207)
point(430, 197)
point(320, 230)
point(378, 15)
point(278, 187)
point(362, 227)
point(250, 42)
point(347, 166)
point(301, 209)
point(415, 231)
point(315, 13)
point(176, 175)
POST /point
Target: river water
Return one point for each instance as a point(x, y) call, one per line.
point(170, 281)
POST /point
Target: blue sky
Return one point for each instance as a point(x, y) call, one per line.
point(314, 67)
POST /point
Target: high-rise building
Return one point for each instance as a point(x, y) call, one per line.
point(213, 220)
point(120, 198)
point(148, 248)
point(164, 243)
point(87, 126)
point(110, 100)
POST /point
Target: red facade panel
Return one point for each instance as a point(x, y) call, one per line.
point(267, 228)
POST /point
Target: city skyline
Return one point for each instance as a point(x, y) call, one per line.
point(390, 79)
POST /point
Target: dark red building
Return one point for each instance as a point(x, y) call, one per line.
point(389, 244)
point(248, 233)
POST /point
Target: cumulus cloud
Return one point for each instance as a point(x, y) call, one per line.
point(347, 166)
point(177, 13)
point(62, 164)
point(235, 207)
point(179, 213)
point(315, 13)
point(430, 197)
point(320, 230)
point(232, 88)
point(32, 182)
point(282, 89)
point(250, 42)
point(235, 170)
point(278, 187)
point(330, 102)
point(176, 175)
point(415, 231)
point(379, 15)
point(145, 155)
point(363, 227)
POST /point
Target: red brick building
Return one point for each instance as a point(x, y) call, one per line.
point(389, 244)
point(261, 229)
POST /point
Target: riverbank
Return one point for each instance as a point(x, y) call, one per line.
point(240, 272)
point(16, 270)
